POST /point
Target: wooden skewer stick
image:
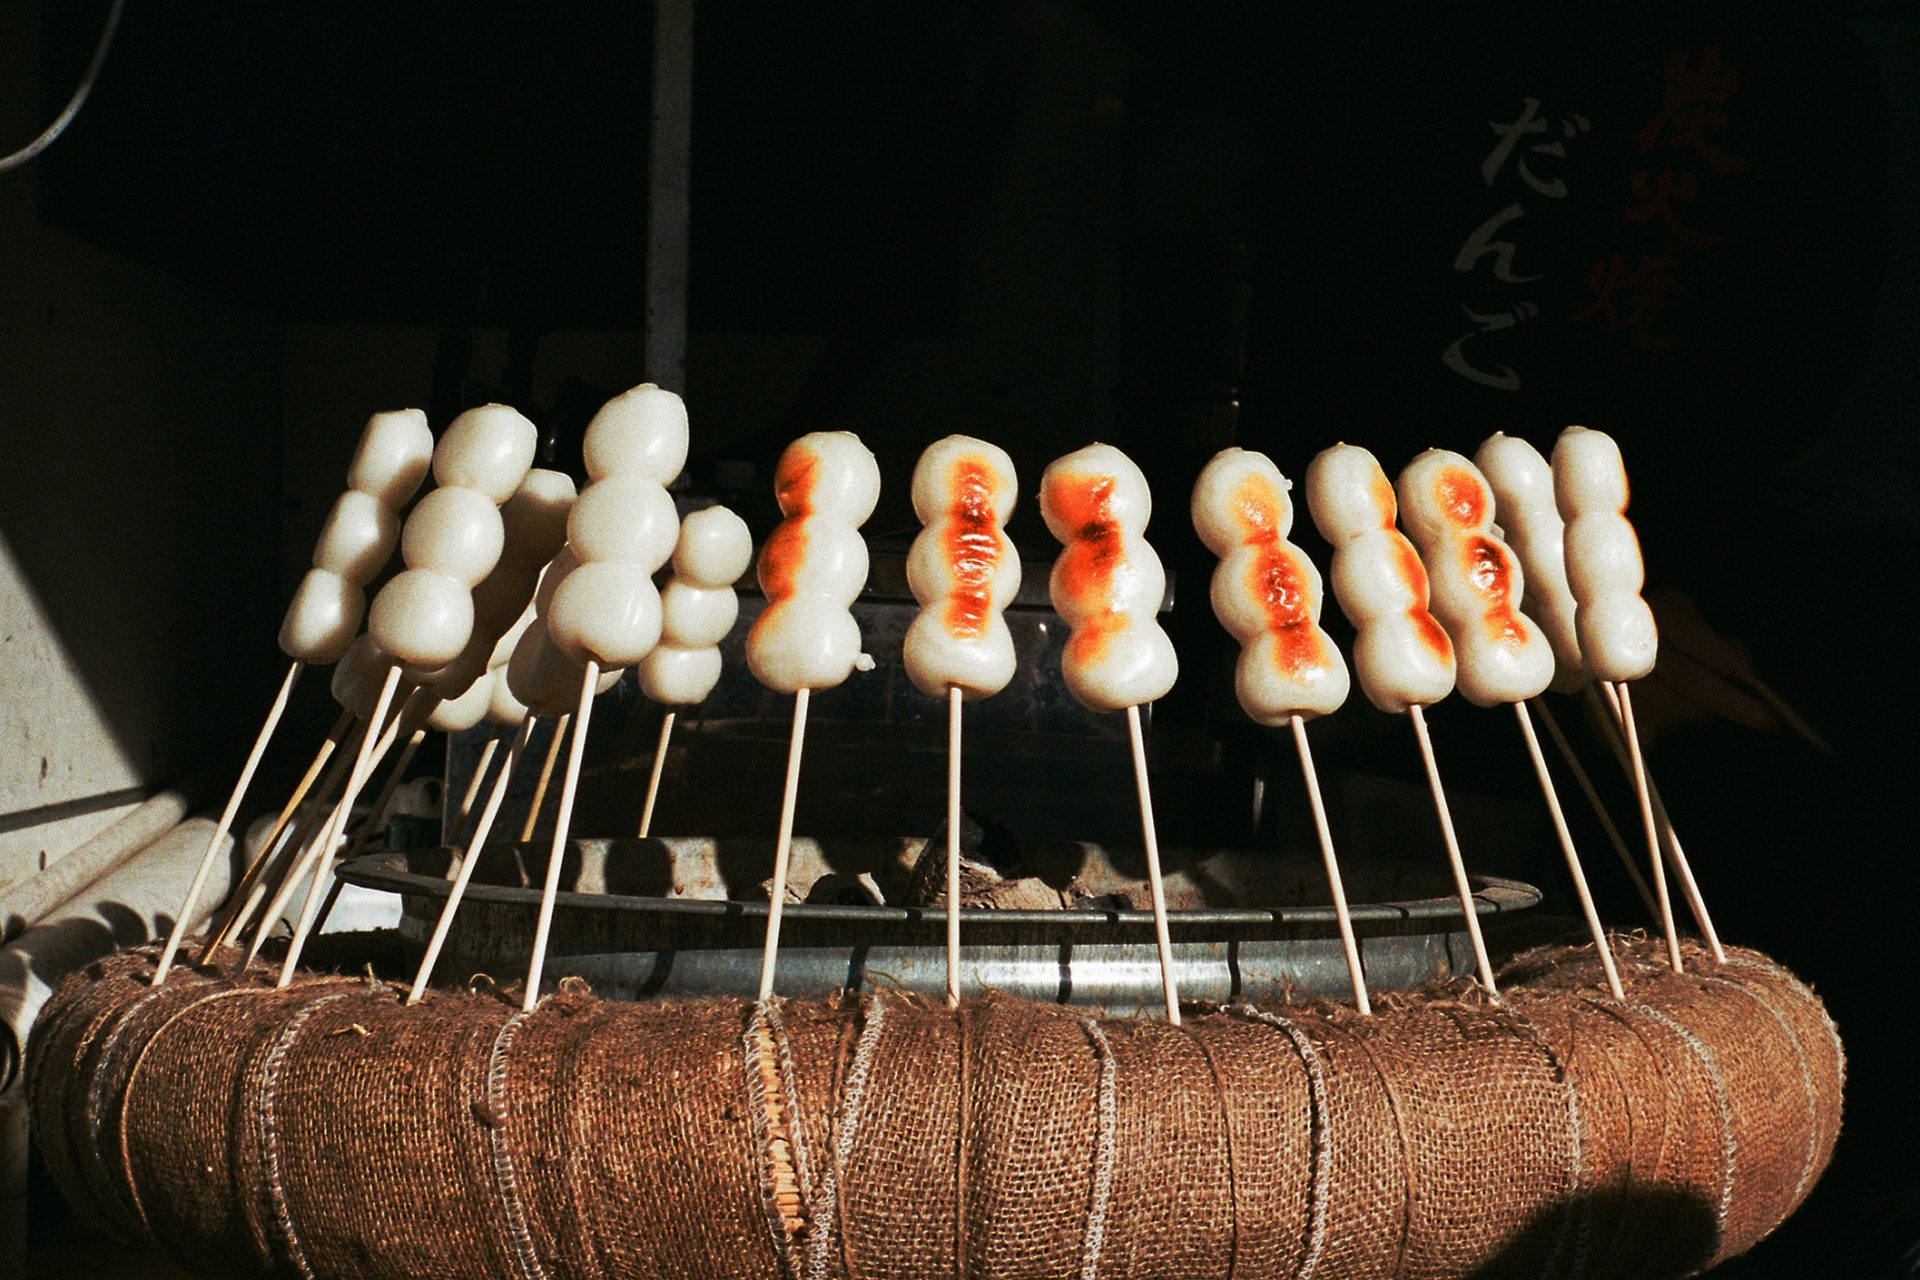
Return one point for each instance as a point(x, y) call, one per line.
point(954, 700)
point(270, 894)
point(1581, 776)
point(783, 843)
point(481, 831)
point(569, 784)
point(546, 776)
point(335, 833)
point(653, 780)
point(314, 864)
point(1683, 869)
point(1587, 908)
point(1480, 958)
point(309, 850)
point(276, 861)
point(457, 829)
point(303, 846)
point(246, 894)
point(1319, 807)
point(290, 871)
point(1152, 842)
point(185, 918)
point(377, 817)
point(1625, 704)
point(1669, 836)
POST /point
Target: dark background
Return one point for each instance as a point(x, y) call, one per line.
point(1173, 227)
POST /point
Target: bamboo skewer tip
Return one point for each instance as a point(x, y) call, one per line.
point(783, 844)
point(1601, 946)
point(1623, 704)
point(546, 775)
point(1482, 962)
point(238, 902)
point(954, 701)
point(1317, 803)
point(489, 812)
point(569, 785)
point(653, 778)
point(1151, 840)
point(183, 920)
point(321, 856)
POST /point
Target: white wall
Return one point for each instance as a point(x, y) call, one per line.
point(139, 434)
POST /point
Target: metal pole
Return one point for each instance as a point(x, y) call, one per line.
point(670, 143)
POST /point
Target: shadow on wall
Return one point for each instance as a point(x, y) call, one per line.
point(138, 513)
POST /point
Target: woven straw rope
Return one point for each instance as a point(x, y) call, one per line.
point(1140, 1165)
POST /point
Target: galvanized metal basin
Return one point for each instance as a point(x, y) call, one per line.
point(645, 918)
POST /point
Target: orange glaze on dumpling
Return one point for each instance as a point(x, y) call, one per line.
point(1460, 498)
point(1277, 579)
point(1463, 501)
point(1384, 502)
point(1084, 503)
point(780, 559)
point(1492, 577)
point(786, 547)
point(972, 546)
point(1414, 574)
point(793, 482)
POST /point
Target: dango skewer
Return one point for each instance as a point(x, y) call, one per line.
point(1789, 715)
point(504, 605)
point(605, 614)
point(1401, 654)
point(1522, 484)
point(452, 715)
point(698, 609)
point(544, 681)
point(424, 617)
point(331, 833)
point(353, 546)
point(1107, 585)
point(535, 521)
point(658, 768)
point(375, 820)
point(810, 570)
point(964, 571)
point(1480, 958)
point(1448, 506)
point(357, 681)
point(458, 713)
point(1266, 592)
point(1618, 637)
point(383, 799)
point(487, 445)
point(507, 709)
point(199, 883)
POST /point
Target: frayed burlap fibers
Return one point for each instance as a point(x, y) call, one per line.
point(330, 1131)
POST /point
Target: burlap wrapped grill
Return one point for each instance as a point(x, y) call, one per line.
point(326, 1130)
